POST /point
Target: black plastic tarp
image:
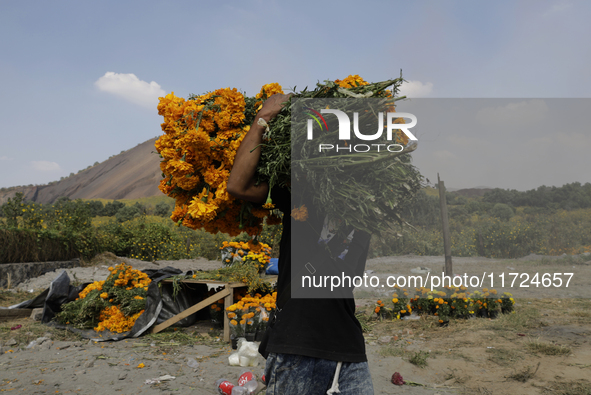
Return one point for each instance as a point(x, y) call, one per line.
point(161, 304)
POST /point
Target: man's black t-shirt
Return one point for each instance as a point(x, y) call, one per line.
point(319, 328)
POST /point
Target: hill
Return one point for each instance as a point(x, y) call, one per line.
point(132, 174)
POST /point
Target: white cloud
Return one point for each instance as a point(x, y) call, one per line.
point(415, 89)
point(131, 88)
point(45, 166)
point(4, 157)
point(557, 8)
point(444, 155)
point(513, 114)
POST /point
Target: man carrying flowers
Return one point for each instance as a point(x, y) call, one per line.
point(315, 346)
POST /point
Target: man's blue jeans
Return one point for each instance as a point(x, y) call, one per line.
point(288, 374)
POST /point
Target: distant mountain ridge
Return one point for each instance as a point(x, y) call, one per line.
point(132, 174)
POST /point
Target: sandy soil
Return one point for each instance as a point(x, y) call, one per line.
point(543, 348)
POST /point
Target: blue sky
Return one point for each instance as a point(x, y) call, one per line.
point(80, 80)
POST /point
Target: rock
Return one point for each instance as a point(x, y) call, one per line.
point(385, 339)
point(36, 314)
point(77, 344)
point(20, 272)
point(45, 346)
point(11, 342)
point(41, 340)
point(88, 364)
point(122, 376)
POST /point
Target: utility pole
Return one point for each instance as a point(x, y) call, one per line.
point(445, 225)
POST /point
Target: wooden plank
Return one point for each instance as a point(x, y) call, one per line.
point(195, 281)
point(223, 293)
point(236, 284)
point(228, 301)
point(13, 314)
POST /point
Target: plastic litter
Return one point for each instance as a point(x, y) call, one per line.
point(245, 377)
point(250, 387)
point(160, 379)
point(224, 387)
point(420, 270)
point(239, 391)
point(32, 344)
point(192, 363)
point(247, 354)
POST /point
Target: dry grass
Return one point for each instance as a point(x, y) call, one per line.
point(537, 347)
point(9, 298)
point(31, 330)
point(581, 387)
point(525, 374)
point(392, 351)
point(459, 379)
point(419, 359)
point(503, 357)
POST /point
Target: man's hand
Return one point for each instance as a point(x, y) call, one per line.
point(272, 106)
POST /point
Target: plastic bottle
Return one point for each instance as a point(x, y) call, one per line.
point(251, 386)
point(239, 391)
point(224, 387)
point(246, 376)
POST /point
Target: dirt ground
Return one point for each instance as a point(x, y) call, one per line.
point(543, 348)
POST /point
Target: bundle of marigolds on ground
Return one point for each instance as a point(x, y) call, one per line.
point(451, 302)
point(203, 133)
point(251, 313)
point(113, 304)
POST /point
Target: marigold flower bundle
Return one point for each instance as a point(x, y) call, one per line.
point(203, 133)
point(448, 303)
point(198, 148)
point(113, 304)
point(398, 307)
point(249, 253)
point(251, 313)
point(367, 190)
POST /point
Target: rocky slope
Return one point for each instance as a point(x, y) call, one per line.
point(132, 174)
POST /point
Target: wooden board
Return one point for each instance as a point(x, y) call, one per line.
point(193, 309)
point(13, 314)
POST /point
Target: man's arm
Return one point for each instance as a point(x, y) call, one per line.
point(241, 183)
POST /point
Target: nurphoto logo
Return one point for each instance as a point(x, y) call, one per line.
point(344, 130)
